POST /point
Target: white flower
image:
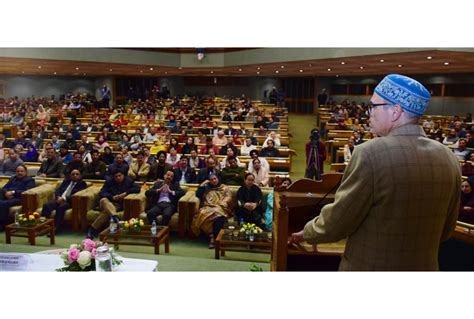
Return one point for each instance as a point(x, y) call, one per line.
point(84, 259)
point(64, 255)
point(73, 246)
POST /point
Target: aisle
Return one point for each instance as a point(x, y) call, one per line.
point(300, 126)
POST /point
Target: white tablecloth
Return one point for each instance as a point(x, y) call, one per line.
point(51, 262)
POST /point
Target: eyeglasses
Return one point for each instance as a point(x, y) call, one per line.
point(372, 106)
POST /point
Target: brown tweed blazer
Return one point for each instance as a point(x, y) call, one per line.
point(397, 201)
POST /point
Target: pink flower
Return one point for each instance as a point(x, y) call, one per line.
point(93, 253)
point(88, 244)
point(73, 254)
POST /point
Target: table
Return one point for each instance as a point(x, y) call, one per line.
point(51, 262)
point(143, 238)
point(31, 232)
point(233, 240)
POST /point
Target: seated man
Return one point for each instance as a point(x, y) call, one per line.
point(95, 169)
point(163, 199)
point(211, 168)
point(10, 165)
point(139, 170)
point(233, 174)
point(184, 174)
point(76, 163)
point(52, 166)
point(118, 165)
point(111, 200)
point(10, 195)
point(63, 198)
point(158, 170)
point(249, 199)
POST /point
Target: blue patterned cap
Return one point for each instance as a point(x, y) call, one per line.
point(410, 94)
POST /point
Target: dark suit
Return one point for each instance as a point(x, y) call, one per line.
point(204, 174)
point(189, 175)
point(165, 208)
point(52, 168)
point(17, 185)
point(61, 209)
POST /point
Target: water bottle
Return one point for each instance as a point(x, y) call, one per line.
point(113, 225)
point(16, 218)
point(153, 228)
point(251, 236)
point(241, 222)
point(103, 259)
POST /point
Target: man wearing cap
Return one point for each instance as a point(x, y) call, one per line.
point(399, 196)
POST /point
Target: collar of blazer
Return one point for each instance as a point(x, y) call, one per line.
point(408, 129)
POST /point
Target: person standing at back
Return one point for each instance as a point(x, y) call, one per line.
point(399, 196)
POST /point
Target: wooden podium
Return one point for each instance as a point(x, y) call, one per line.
point(293, 208)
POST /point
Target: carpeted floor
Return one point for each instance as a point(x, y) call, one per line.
point(188, 255)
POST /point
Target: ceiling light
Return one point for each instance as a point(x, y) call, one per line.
point(361, 67)
point(151, 69)
point(429, 57)
point(180, 68)
point(39, 66)
point(166, 72)
point(110, 70)
point(54, 73)
point(382, 61)
point(400, 65)
point(212, 72)
point(141, 71)
point(258, 72)
point(258, 68)
point(329, 70)
point(337, 75)
point(301, 71)
point(277, 71)
point(282, 66)
point(240, 70)
point(446, 63)
point(343, 62)
point(77, 68)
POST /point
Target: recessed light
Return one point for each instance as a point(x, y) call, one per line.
point(361, 67)
point(277, 71)
point(337, 75)
point(382, 61)
point(180, 68)
point(400, 65)
point(240, 70)
point(258, 72)
point(446, 63)
point(77, 68)
point(141, 71)
point(301, 71)
point(166, 72)
point(54, 73)
point(151, 69)
point(258, 68)
point(39, 66)
point(329, 70)
point(110, 70)
point(212, 72)
point(429, 57)
point(282, 66)
point(343, 62)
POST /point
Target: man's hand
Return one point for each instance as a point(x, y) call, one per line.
point(204, 183)
point(42, 175)
point(9, 194)
point(60, 200)
point(296, 238)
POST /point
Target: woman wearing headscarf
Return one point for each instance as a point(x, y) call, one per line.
point(216, 200)
point(42, 115)
point(466, 209)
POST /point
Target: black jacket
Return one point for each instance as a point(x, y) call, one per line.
point(81, 185)
point(153, 194)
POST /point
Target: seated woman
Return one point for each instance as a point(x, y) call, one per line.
point(107, 157)
point(10, 194)
point(466, 208)
point(260, 173)
point(274, 137)
point(31, 155)
point(249, 200)
point(216, 207)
